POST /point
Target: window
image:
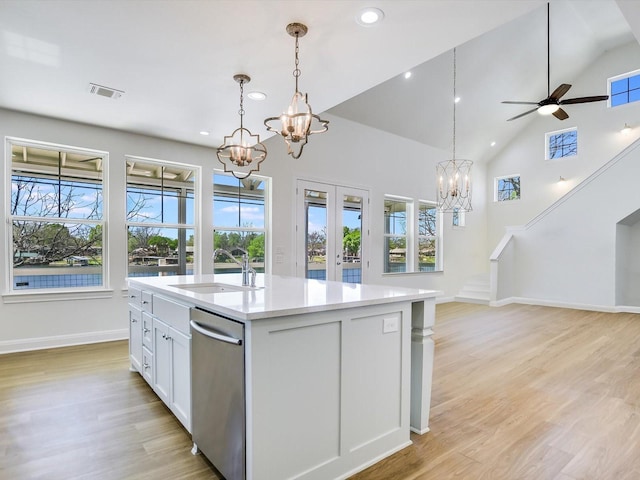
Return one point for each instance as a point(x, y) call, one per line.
point(427, 236)
point(160, 217)
point(563, 143)
point(240, 210)
point(411, 238)
point(624, 89)
point(57, 216)
point(458, 217)
point(507, 188)
point(396, 212)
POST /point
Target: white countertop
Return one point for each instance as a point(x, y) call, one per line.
point(277, 295)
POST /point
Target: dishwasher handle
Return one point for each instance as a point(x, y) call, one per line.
point(216, 336)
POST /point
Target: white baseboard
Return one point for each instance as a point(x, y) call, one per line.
point(445, 300)
point(559, 304)
point(40, 343)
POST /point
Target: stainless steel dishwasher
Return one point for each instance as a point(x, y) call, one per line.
point(218, 391)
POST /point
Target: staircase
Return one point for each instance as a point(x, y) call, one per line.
point(475, 290)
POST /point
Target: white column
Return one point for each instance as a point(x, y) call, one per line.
point(423, 316)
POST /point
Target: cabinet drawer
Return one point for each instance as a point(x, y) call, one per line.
point(146, 301)
point(134, 296)
point(147, 365)
point(172, 313)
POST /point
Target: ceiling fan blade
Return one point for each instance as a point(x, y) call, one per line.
point(522, 114)
point(520, 103)
point(596, 98)
point(560, 91)
point(560, 114)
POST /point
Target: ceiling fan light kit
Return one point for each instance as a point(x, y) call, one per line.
point(552, 105)
point(299, 122)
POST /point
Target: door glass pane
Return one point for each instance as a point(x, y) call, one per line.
point(315, 203)
point(351, 239)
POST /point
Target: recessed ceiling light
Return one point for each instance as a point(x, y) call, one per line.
point(456, 100)
point(204, 132)
point(257, 96)
point(407, 74)
point(493, 144)
point(369, 16)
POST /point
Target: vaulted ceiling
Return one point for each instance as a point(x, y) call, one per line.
point(175, 60)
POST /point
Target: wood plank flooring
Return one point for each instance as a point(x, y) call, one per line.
point(528, 392)
point(520, 392)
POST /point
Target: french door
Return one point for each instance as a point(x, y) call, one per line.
point(332, 232)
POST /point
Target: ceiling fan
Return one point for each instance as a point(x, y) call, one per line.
point(552, 104)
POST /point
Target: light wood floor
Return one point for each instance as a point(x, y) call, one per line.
point(520, 392)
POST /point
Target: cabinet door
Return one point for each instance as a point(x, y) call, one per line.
point(147, 366)
point(181, 374)
point(147, 331)
point(135, 338)
point(162, 361)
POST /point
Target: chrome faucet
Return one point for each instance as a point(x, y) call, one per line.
point(246, 268)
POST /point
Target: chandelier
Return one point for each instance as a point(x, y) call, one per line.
point(299, 122)
point(241, 153)
point(454, 176)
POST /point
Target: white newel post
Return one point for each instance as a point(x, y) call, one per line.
point(423, 316)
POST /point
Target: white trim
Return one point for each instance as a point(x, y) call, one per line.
point(55, 295)
point(40, 343)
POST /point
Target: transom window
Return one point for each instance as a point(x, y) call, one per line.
point(507, 188)
point(562, 143)
point(624, 89)
point(160, 217)
point(57, 212)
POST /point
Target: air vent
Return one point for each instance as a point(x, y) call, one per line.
point(105, 91)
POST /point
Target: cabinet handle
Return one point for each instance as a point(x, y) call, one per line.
point(146, 365)
point(133, 320)
point(146, 330)
point(144, 302)
point(132, 296)
point(164, 336)
point(168, 337)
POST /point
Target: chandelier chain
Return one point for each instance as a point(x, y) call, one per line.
point(296, 71)
point(241, 111)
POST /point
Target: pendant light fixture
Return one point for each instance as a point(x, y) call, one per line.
point(454, 176)
point(297, 124)
point(242, 153)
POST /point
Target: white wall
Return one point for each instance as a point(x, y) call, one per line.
point(599, 140)
point(349, 154)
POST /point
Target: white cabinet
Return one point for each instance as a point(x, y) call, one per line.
point(172, 370)
point(160, 348)
point(135, 338)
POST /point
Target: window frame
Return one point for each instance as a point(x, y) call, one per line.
point(496, 182)
point(58, 291)
point(412, 236)
point(547, 143)
point(617, 78)
point(265, 229)
point(197, 170)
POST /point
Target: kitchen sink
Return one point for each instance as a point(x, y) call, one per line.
point(214, 287)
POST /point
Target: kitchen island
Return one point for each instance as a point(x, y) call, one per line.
point(335, 375)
